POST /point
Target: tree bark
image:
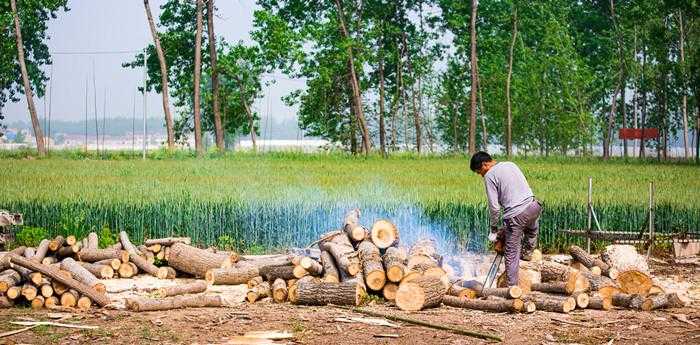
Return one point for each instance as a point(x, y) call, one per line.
point(259, 291)
point(352, 227)
point(8, 279)
point(472, 118)
point(197, 77)
point(101, 271)
point(270, 273)
point(500, 305)
point(330, 271)
point(554, 287)
point(218, 128)
point(384, 234)
point(395, 263)
point(382, 129)
point(421, 293)
point(163, 76)
point(509, 111)
point(249, 113)
point(238, 274)
point(589, 261)
point(342, 251)
point(600, 303)
point(82, 275)
point(312, 291)
point(197, 261)
point(177, 302)
point(86, 290)
point(416, 114)
point(38, 133)
point(642, 150)
point(41, 250)
point(375, 278)
point(312, 266)
point(168, 241)
point(511, 292)
point(5, 259)
point(94, 255)
point(551, 303)
point(684, 104)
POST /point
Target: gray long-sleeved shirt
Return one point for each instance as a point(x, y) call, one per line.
point(506, 187)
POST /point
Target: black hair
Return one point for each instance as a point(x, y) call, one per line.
point(478, 159)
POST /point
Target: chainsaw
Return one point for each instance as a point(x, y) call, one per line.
point(496, 264)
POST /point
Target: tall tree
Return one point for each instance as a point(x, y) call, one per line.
point(197, 75)
point(218, 129)
point(509, 110)
point(472, 117)
point(38, 134)
point(684, 104)
point(164, 76)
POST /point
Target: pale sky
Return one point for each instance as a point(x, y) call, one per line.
point(93, 27)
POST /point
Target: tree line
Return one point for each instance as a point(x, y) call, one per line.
point(545, 76)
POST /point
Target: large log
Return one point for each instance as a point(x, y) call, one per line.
point(240, 273)
point(97, 297)
point(51, 302)
point(658, 301)
point(384, 234)
point(634, 282)
point(8, 279)
point(458, 290)
point(69, 251)
point(279, 290)
point(46, 289)
point(81, 274)
point(330, 271)
point(600, 302)
point(197, 261)
point(566, 288)
point(101, 271)
point(352, 227)
point(271, 273)
point(183, 289)
point(496, 305)
point(589, 261)
point(421, 293)
point(13, 292)
point(389, 291)
point(126, 270)
point(114, 263)
point(178, 302)
point(93, 242)
point(551, 303)
point(41, 250)
point(56, 243)
point(372, 266)
point(126, 243)
point(254, 281)
point(424, 252)
point(300, 272)
point(259, 291)
point(94, 255)
point(342, 251)
point(168, 241)
point(29, 291)
point(395, 263)
point(582, 299)
point(313, 291)
point(526, 277)
point(38, 302)
point(312, 266)
point(512, 292)
point(5, 259)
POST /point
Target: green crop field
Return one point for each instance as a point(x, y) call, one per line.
point(277, 200)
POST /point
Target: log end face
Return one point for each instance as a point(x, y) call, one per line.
point(410, 297)
point(375, 280)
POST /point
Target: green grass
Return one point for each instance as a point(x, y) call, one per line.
point(274, 200)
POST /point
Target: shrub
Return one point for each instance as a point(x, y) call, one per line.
point(31, 236)
point(107, 237)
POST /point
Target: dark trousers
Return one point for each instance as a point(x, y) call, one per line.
point(521, 235)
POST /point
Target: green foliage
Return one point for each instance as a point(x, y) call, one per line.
point(225, 242)
point(107, 237)
point(73, 224)
point(31, 236)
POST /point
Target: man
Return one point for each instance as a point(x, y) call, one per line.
point(507, 188)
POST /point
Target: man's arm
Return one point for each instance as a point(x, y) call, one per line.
point(494, 206)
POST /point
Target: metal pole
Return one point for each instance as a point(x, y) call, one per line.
point(651, 219)
point(145, 105)
point(590, 209)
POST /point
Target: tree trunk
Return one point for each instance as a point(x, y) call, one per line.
point(384, 234)
point(196, 261)
point(460, 291)
point(589, 261)
point(279, 290)
point(41, 250)
point(38, 133)
point(197, 76)
point(177, 302)
point(94, 255)
point(270, 273)
point(623, 105)
point(607, 137)
point(554, 287)
point(472, 118)
point(88, 291)
point(354, 83)
point(330, 271)
point(684, 104)
point(600, 303)
point(5, 259)
point(218, 127)
point(249, 114)
point(499, 305)
point(509, 111)
point(395, 263)
point(382, 129)
point(511, 292)
point(238, 274)
point(312, 291)
point(642, 150)
point(375, 278)
point(421, 293)
point(551, 303)
point(342, 251)
point(163, 76)
point(416, 114)
point(82, 275)
point(635, 282)
point(482, 111)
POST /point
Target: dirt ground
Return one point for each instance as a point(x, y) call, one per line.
point(318, 325)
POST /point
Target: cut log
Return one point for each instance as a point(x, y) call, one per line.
point(84, 303)
point(49, 260)
point(29, 291)
point(352, 227)
point(178, 302)
point(395, 263)
point(70, 298)
point(313, 291)
point(155, 248)
point(13, 292)
point(82, 275)
point(38, 302)
point(240, 273)
point(134, 268)
point(5, 259)
point(168, 241)
point(145, 266)
point(35, 278)
point(46, 290)
point(634, 282)
point(636, 302)
point(497, 305)
point(424, 252)
point(254, 281)
point(6, 302)
point(595, 270)
point(166, 253)
point(189, 288)
point(114, 263)
point(389, 291)
point(312, 266)
point(622, 299)
point(565, 288)
point(526, 278)
point(512, 292)
point(126, 271)
point(51, 302)
point(342, 251)
point(660, 301)
point(71, 240)
point(608, 291)
point(69, 251)
point(161, 255)
point(259, 291)
point(147, 254)
point(600, 303)
point(384, 234)
point(421, 293)
point(589, 261)
point(551, 303)
point(59, 288)
point(56, 243)
point(598, 282)
point(582, 299)
point(300, 272)
point(94, 255)
point(197, 261)
point(271, 273)
point(172, 274)
point(279, 290)
point(41, 251)
point(100, 271)
point(458, 290)
point(8, 279)
point(372, 266)
point(330, 271)
point(93, 241)
point(126, 243)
